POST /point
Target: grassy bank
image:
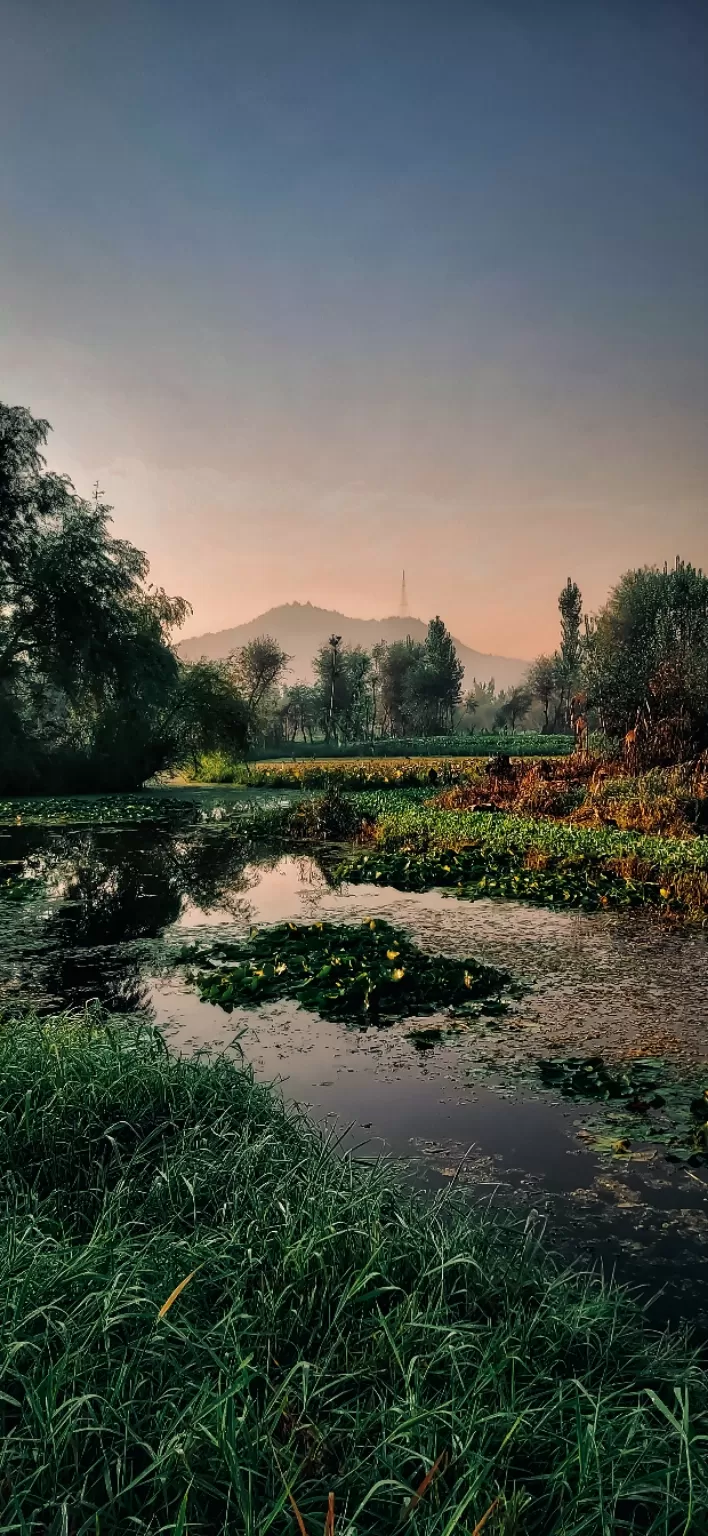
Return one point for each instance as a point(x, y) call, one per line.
point(587, 789)
point(209, 1316)
point(542, 860)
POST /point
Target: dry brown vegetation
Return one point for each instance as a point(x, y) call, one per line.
point(590, 791)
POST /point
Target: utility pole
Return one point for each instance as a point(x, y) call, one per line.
point(334, 644)
point(403, 609)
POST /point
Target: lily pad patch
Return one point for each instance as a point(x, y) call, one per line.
point(367, 972)
point(474, 873)
point(644, 1103)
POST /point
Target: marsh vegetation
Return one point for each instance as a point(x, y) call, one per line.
point(234, 1317)
point(218, 1315)
point(211, 1321)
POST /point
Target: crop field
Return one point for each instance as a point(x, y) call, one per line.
point(474, 744)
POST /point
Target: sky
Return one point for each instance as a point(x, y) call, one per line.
point(317, 290)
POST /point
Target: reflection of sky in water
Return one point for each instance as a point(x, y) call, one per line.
point(600, 982)
point(596, 982)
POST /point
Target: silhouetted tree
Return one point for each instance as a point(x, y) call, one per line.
point(647, 659)
point(207, 712)
point(569, 655)
point(401, 661)
point(517, 704)
point(542, 683)
point(86, 665)
point(438, 683)
point(343, 674)
point(258, 667)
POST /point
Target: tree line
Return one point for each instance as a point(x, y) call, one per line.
point(94, 696)
point(401, 689)
point(638, 669)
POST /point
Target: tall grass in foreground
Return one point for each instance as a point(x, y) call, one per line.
point(208, 1317)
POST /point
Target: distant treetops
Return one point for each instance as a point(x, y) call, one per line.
point(93, 695)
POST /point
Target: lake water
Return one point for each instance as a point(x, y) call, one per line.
point(106, 901)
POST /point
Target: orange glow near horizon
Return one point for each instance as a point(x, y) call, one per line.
point(322, 292)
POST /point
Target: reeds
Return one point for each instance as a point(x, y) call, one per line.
point(339, 1345)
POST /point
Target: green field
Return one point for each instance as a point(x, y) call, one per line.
point(377, 758)
point(474, 744)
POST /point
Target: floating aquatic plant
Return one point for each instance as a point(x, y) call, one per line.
point(477, 872)
point(646, 1103)
point(365, 972)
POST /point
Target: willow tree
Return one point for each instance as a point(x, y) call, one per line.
point(86, 663)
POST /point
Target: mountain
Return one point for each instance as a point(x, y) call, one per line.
point(301, 629)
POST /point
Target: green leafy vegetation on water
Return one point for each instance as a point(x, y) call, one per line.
point(425, 827)
point(413, 844)
point(92, 810)
point(483, 854)
point(646, 1102)
point(207, 1314)
point(267, 816)
point(18, 887)
point(369, 972)
point(475, 874)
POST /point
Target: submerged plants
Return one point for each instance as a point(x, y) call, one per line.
point(368, 972)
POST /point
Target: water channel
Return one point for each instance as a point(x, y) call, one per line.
point(104, 904)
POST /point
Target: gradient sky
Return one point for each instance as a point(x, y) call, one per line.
point(320, 290)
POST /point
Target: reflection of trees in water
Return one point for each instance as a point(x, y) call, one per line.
point(111, 892)
point(314, 873)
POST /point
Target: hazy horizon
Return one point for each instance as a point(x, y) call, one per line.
point(317, 293)
point(189, 633)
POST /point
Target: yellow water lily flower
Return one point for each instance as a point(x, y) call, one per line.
point(392, 954)
point(398, 974)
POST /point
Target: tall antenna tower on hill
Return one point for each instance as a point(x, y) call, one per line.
point(403, 606)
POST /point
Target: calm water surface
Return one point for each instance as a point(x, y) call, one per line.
point(106, 901)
